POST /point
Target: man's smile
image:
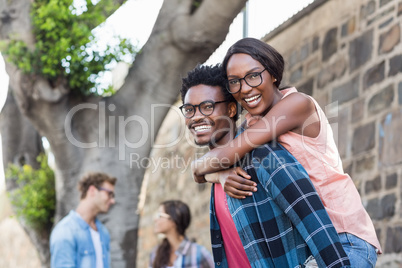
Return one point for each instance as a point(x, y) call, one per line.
point(202, 128)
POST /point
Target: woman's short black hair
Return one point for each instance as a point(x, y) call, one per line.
point(271, 59)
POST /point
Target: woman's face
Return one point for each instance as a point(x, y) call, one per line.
point(163, 223)
point(256, 100)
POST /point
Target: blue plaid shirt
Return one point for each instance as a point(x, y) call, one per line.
point(189, 255)
point(284, 222)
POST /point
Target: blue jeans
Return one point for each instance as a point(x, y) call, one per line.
point(361, 254)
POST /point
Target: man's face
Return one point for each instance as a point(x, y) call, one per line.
point(104, 198)
point(209, 130)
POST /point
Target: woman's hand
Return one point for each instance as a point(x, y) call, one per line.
point(236, 183)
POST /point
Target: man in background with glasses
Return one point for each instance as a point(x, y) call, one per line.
point(283, 223)
point(80, 239)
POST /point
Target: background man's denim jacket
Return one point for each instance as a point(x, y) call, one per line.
point(71, 243)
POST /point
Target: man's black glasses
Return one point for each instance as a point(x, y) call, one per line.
point(251, 79)
point(109, 192)
point(206, 108)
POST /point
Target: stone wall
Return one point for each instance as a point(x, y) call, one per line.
point(348, 55)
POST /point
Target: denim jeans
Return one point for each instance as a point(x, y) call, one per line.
point(361, 254)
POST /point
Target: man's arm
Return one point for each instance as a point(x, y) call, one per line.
point(62, 249)
point(290, 187)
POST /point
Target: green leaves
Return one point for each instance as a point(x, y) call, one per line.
point(35, 198)
point(66, 46)
point(20, 55)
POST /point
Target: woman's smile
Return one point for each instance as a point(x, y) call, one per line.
point(252, 101)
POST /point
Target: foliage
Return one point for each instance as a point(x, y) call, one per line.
point(66, 48)
point(34, 199)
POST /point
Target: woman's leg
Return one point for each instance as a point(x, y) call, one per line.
point(360, 253)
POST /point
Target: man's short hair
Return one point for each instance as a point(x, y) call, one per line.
point(96, 179)
point(211, 76)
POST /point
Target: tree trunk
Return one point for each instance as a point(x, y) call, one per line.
point(115, 134)
point(21, 144)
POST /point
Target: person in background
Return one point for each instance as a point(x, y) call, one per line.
point(80, 240)
point(172, 220)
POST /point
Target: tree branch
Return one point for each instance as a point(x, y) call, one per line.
point(106, 12)
point(206, 29)
point(42, 90)
point(15, 20)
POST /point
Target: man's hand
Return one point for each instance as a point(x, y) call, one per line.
point(236, 183)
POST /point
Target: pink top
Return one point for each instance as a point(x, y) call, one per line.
point(320, 157)
point(235, 253)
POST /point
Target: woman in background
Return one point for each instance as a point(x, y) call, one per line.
point(172, 220)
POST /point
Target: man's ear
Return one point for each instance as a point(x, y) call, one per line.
point(91, 190)
point(232, 107)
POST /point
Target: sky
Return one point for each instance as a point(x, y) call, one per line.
point(129, 22)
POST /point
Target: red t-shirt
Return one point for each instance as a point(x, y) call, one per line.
point(235, 253)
